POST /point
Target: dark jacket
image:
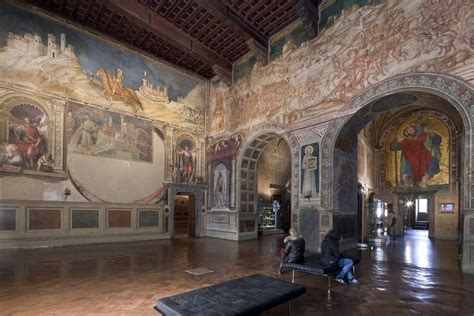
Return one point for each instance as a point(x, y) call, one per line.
point(330, 250)
point(294, 250)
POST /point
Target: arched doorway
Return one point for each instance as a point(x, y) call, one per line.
point(261, 195)
point(273, 187)
point(408, 157)
point(339, 156)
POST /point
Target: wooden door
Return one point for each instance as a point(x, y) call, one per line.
point(181, 214)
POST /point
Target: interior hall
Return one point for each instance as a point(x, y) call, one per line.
point(197, 157)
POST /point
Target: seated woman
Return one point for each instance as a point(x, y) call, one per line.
point(331, 257)
point(294, 249)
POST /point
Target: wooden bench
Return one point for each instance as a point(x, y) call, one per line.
point(314, 266)
point(245, 296)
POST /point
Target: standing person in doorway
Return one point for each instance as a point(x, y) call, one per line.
point(331, 258)
point(393, 229)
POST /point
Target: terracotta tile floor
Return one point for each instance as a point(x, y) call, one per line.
point(410, 277)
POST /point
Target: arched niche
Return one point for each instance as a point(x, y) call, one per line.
point(459, 94)
point(247, 164)
point(45, 116)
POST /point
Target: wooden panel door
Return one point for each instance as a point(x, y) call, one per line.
point(181, 214)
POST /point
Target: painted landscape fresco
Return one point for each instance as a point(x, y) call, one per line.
point(97, 132)
point(46, 57)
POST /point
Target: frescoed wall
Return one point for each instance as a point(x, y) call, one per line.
point(96, 132)
point(54, 59)
point(95, 119)
point(362, 47)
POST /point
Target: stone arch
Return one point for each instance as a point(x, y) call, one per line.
point(8, 101)
point(457, 92)
point(246, 180)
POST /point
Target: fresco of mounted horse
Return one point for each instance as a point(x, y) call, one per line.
point(57, 60)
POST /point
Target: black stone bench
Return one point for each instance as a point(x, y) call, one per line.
point(245, 296)
point(313, 265)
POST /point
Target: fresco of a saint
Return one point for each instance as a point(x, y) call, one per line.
point(310, 171)
point(420, 147)
point(185, 164)
point(27, 138)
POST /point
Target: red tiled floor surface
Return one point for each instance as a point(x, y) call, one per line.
point(411, 277)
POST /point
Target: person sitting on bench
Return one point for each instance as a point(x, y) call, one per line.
point(294, 249)
point(330, 257)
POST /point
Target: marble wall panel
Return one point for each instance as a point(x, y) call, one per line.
point(309, 228)
point(7, 219)
point(246, 225)
point(44, 219)
point(84, 219)
point(119, 218)
point(147, 218)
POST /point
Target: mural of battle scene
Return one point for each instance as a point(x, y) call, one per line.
point(310, 171)
point(348, 56)
point(55, 59)
point(25, 144)
point(184, 169)
point(97, 132)
point(417, 153)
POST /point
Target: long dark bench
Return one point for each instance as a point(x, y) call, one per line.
point(313, 265)
point(245, 296)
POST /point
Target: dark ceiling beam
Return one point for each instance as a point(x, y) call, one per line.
point(90, 5)
point(148, 19)
point(76, 8)
point(256, 41)
point(63, 5)
point(308, 12)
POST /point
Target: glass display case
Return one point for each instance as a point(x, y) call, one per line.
point(377, 215)
point(266, 217)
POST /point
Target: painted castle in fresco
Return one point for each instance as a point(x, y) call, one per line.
point(55, 67)
point(153, 93)
point(33, 45)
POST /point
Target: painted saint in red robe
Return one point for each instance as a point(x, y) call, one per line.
point(29, 144)
point(420, 155)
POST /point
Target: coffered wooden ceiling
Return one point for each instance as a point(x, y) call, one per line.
point(203, 36)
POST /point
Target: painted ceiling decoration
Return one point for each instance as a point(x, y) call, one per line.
point(202, 36)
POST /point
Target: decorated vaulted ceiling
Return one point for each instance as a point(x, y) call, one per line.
point(203, 36)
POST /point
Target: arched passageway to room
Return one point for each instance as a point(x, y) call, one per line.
point(385, 106)
point(264, 180)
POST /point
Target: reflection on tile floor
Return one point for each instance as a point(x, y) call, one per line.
point(414, 275)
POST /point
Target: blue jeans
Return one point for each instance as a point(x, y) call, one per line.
point(346, 264)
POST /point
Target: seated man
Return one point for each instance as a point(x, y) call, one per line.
point(331, 257)
point(294, 249)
